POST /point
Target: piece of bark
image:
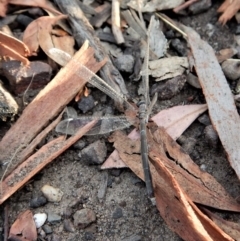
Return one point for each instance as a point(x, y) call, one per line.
point(21, 78)
point(24, 172)
point(83, 30)
point(221, 106)
point(44, 107)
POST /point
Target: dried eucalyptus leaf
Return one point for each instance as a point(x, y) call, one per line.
point(168, 67)
point(154, 5)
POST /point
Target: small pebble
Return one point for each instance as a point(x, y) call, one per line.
point(55, 237)
point(203, 167)
point(117, 180)
point(200, 6)
point(67, 213)
point(125, 63)
point(84, 217)
point(189, 145)
point(86, 103)
point(179, 46)
point(118, 213)
point(94, 153)
point(89, 236)
point(51, 193)
point(133, 237)
point(68, 226)
point(38, 202)
point(47, 229)
point(116, 172)
point(231, 68)
point(53, 217)
point(103, 186)
point(204, 119)
point(42, 233)
point(193, 81)
point(211, 136)
point(20, 77)
point(80, 144)
point(39, 219)
point(168, 89)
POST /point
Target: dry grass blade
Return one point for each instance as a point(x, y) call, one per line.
point(116, 22)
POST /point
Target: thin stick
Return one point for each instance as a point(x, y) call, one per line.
point(116, 22)
point(170, 23)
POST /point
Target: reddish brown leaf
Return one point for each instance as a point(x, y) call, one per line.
point(229, 8)
point(25, 226)
point(200, 186)
point(3, 7)
point(38, 33)
point(231, 228)
point(13, 48)
point(174, 205)
point(175, 120)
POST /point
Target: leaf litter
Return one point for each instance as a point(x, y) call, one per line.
point(166, 180)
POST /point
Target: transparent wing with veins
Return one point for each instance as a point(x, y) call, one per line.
point(105, 124)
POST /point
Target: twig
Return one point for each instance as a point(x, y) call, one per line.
point(134, 24)
point(171, 23)
point(184, 5)
point(139, 8)
point(116, 22)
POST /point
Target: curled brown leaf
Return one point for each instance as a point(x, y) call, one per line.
point(229, 8)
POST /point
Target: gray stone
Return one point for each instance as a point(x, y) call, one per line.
point(125, 63)
point(86, 103)
point(133, 237)
point(47, 229)
point(84, 217)
point(94, 153)
point(118, 213)
point(38, 202)
point(53, 217)
point(68, 226)
point(37, 73)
